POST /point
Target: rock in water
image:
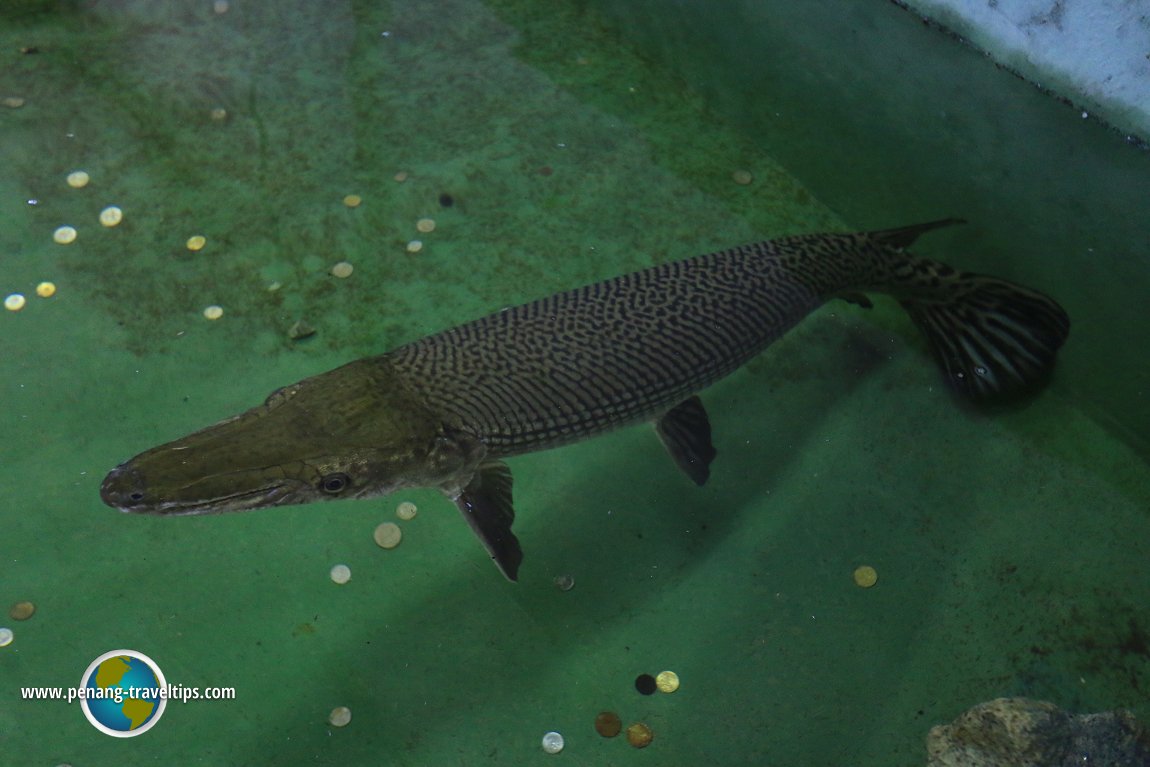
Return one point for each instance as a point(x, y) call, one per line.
point(1018, 732)
point(300, 330)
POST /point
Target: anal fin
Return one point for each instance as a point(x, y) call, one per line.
point(686, 433)
point(486, 505)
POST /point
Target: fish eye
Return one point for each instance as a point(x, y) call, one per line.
point(335, 483)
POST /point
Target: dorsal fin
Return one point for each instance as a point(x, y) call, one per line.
point(905, 235)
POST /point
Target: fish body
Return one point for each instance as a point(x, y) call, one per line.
point(445, 411)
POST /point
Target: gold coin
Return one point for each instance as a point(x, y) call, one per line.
point(14, 302)
point(78, 179)
point(22, 611)
point(111, 216)
point(406, 510)
point(342, 270)
point(639, 735)
point(865, 576)
point(414, 246)
point(46, 289)
point(339, 716)
point(352, 200)
point(213, 312)
point(425, 225)
point(197, 242)
point(64, 235)
point(667, 681)
point(388, 535)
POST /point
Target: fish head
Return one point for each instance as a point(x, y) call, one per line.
point(343, 434)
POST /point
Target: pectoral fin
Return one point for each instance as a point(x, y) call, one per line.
point(686, 433)
point(486, 505)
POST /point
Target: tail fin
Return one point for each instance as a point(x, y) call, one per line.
point(993, 339)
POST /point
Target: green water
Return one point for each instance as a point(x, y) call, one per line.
point(1010, 547)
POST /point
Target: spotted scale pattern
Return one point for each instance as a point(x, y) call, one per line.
point(626, 349)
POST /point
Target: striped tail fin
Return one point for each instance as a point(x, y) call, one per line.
point(994, 339)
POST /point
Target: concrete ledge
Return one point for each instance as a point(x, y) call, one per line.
point(1093, 53)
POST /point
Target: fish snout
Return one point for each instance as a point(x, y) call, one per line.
point(124, 489)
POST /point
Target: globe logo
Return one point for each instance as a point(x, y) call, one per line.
point(123, 693)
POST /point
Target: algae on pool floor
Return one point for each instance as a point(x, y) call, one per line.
point(837, 447)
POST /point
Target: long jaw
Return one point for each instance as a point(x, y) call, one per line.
point(124, 489)
point(274, 495)
point(120, 490)
point(347, 426)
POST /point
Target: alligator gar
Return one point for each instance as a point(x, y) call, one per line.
point(445, 411)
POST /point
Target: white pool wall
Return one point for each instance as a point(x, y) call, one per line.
point(1094, 53)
